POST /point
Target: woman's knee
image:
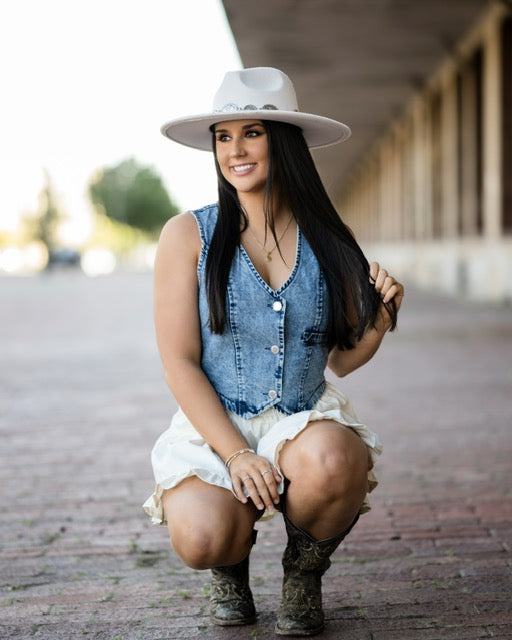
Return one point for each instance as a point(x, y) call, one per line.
point(204, 544)
point(334, 464)
point(198, 547)
point(211, 529)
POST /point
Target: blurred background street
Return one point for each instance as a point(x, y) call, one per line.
point(83, 399)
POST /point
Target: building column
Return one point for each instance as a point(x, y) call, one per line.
point(417, 168)
point(408, 192)
point(492, 128)
point(449, 159)
point(424, 170)
point(469, 129)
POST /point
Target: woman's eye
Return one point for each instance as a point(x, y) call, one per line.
point(252, 133)
point(222, 137)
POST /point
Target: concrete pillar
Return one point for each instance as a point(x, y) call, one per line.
point(374, 192)
point(427, 177)
point(382, 206)
point(398, 182)
point(449, 156)
point(492, 130)
point(418, 169)
point(469, 150)
point(408, 201)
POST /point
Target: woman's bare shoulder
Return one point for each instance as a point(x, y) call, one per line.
point(182, 226)
point(181, 233)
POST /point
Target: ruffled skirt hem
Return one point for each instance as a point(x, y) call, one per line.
point(180, 452)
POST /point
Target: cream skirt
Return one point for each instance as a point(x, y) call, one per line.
point(181, 452)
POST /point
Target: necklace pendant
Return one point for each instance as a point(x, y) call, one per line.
point(268, 257)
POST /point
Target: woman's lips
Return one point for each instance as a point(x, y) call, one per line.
point(240, 169)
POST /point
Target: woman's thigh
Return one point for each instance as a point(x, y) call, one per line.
point(207, 525)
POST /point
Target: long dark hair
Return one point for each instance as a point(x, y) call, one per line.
point(292, 174)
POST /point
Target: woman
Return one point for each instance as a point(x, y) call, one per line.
point(254, 296)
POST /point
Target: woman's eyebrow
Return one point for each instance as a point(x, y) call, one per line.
point(246, 126)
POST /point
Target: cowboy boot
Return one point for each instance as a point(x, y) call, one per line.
point(231, 601)
point(305, 560)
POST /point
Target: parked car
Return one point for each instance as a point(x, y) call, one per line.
point(64, 257)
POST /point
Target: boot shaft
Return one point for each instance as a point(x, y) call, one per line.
point(305, 560)
point(304, 553)
point(231, 601)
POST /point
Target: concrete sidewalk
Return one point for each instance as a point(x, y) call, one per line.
point(82, 400)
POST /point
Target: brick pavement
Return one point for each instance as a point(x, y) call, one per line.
point(82, 400)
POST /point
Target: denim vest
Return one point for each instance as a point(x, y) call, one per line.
point(273, 351)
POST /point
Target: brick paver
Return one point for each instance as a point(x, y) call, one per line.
point(82, 399)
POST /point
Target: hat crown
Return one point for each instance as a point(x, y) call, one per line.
point(259, 88)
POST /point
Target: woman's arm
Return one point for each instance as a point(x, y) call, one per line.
point(344, 362)
point(178, 333)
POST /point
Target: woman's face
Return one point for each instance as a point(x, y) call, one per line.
point(241, 148)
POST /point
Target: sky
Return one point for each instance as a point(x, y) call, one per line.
point(88, 83)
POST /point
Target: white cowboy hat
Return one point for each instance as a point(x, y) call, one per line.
point(262, 93)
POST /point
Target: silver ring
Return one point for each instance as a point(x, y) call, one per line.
point(246, 478)
point(266, 471)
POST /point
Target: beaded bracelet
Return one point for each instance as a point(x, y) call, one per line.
point(236, 454)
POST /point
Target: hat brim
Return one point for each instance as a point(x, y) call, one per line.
point(194, 131)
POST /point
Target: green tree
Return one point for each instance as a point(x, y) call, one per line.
point(43, 224)
point(46, 224)
point(132, 194)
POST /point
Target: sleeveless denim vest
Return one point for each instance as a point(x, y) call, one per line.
point(273, 351)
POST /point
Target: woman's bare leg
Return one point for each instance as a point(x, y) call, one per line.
point(327, 466)
point(208, 526)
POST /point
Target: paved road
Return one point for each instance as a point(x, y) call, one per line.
point(82, 399)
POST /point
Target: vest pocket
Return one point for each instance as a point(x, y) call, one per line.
point(310, 336)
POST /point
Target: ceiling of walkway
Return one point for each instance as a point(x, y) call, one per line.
point(358, 61)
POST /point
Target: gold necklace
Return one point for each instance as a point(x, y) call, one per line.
point(268, 254)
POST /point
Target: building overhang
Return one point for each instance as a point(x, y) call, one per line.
point(358, 61)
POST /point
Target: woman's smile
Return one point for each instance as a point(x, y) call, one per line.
point(240, 169)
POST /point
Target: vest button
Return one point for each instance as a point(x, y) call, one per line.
point(277, 306)
point(274, 348)
point(272, 394)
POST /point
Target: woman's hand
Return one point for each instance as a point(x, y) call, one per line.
point(388, 288)
point(258, 477)
point(391, 291)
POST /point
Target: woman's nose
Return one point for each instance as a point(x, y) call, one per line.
point(237, 148)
